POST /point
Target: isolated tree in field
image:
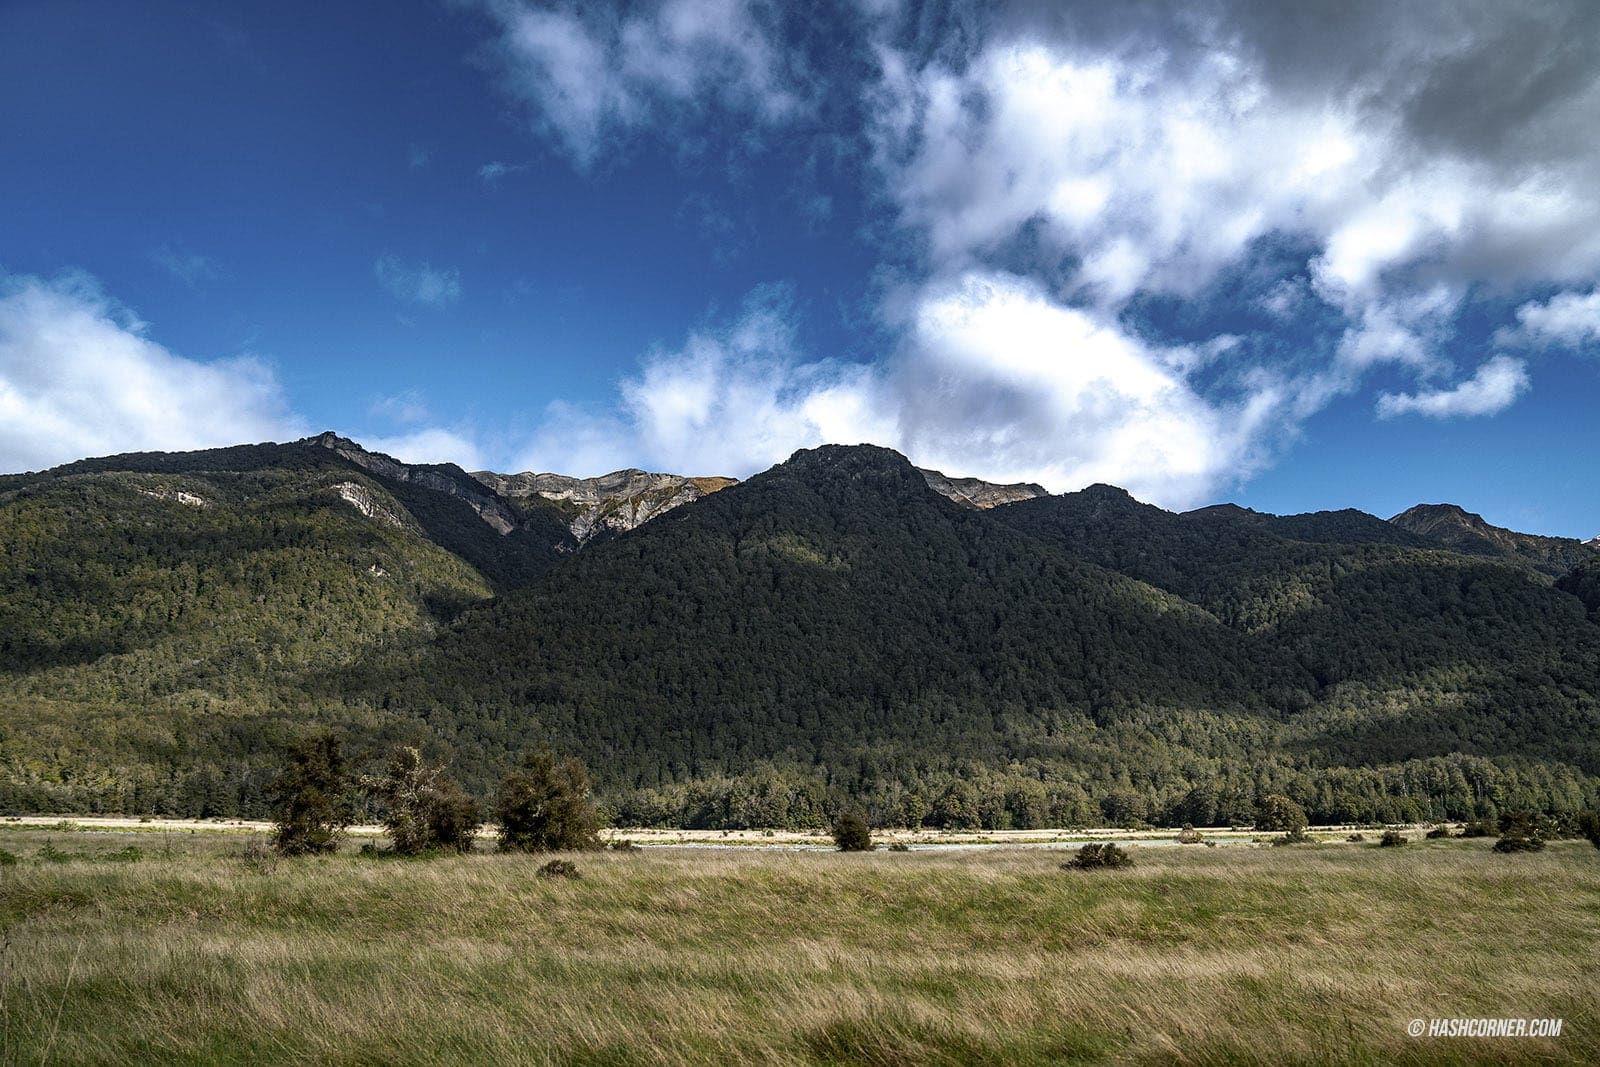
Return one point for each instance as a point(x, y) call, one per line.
point(423, 808)
point(1277, 812)
point(851, 833)
point(310, 797)
point(544, 806)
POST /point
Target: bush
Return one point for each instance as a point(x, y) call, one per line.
point(624, 845)
point(899, 846)
point(1477, 828)
point(1278, 812)
point(1293, 837)
point(1519, 844)
point(1095, 857)
point(1392, 839)
point(310, 801)
point(1356, 837)
point(423, 808)
point(1189, 835)
point(559, 869)
point(1589, 824)
point(1436, 833)
point(545, 806)
point(851, 833)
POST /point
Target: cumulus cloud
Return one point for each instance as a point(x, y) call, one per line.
point(80, 377)
point(589, 76)
point(1494, 388)
point(1570, 319)
point(430, 444)
point(418, 282)
point(1339, 186)
point(995, 377)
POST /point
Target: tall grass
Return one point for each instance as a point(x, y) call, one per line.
point(1318, 954)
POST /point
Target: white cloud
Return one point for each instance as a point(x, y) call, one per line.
point(185, 264)
point(430, 444)
point(418, 283)
point(1494, 388)
point(590, 76)
point(408, 407)
point(996, 379)
point(492, 171)
point(1570, 319)
point(79, 377)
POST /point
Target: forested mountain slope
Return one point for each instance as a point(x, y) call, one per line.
point(832, 628)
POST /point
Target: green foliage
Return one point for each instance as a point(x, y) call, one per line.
point(851, 833)
point(559, 869)
point(7, 858)
point(1392, 839)
point(1096, 857)
point(1589, 826)
point(1519, 844)
point(1296, 836)
point(1275, 812)
point(423, 808)
point(154, 656)
point(1436, 833)
point(544, 806)
point(1478, 828)
point(310, 797)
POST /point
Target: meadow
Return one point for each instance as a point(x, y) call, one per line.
point(138, 948)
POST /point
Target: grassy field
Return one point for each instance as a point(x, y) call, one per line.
point(186, 952)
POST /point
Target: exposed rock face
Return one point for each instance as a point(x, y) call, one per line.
point(178, 496)
point(439, 478)
point(610, 504)
point(976, 493)
point(372, 506)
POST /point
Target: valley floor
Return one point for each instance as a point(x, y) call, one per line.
point(123, 946)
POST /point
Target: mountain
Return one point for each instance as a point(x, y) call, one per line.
point(608, 505)
point(835, 627)
point(615, 503)
point(1461, 530)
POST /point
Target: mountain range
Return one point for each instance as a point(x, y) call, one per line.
point(843, 628)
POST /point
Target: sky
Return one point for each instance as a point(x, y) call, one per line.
point(1296, 256)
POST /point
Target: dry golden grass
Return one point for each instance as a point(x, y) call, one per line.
point(1316, 954)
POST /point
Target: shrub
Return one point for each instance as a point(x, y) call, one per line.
point(851, 833)
point(1477, 828)
point(310, 805)
point(1277, 812)
point(624, 845)
point(1296, 836)
point(423, 808)
point(1589, 824)
point(1519, 844)
point(545, 806)
point(1189, 835)
point(1392, 839)
point(559, 869)
point(1094, 857)
point(1356, 837)
point(899, 846)
point(1436, 833)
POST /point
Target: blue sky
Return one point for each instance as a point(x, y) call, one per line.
point(1297, 256)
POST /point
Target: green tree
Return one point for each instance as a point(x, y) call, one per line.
point(1277, 812)
point(310, 797)
point(423, 808)
point(851, 833)
point(544, 806)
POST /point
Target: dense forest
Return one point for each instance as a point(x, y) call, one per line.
point(830, 632)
